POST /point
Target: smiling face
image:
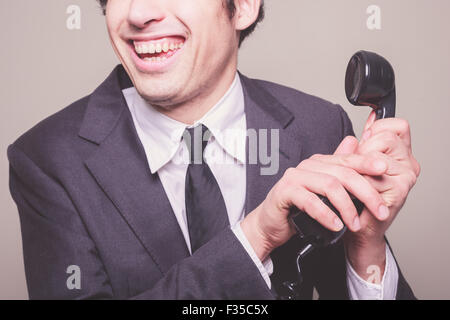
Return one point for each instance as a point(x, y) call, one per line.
point(174, 51)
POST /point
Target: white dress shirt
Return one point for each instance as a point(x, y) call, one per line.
point(225, 154)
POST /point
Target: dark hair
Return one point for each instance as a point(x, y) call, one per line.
point(231, 9)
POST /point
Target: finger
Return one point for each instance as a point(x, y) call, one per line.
point(370, 164)
point(315, 208)
point(370, 120)
point(381, 184)
point(366, 132)
point(355, 183)
point(347, 146)
point(330, 187)
point(385, 142)
point(333, 189)
point(398, 126)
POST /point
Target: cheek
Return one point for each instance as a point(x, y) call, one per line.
point(207, 20)
point(116, 15)
point(216, 40)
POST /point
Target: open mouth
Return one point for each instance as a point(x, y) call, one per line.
point(158, 50)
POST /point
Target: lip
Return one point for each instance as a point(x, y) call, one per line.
point(153, 66)
point(158, 36)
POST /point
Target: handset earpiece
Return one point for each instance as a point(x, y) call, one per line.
point(370, 81)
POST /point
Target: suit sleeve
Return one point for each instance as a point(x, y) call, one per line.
point(54, 238)
point(331, 268)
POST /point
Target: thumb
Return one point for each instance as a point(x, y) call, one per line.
point(347, 146)
point(366, 132)
point(370, 120)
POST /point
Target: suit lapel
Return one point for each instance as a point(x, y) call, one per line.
point(263, 111)
point(120, 167)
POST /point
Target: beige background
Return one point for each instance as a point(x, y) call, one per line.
point(303, 44)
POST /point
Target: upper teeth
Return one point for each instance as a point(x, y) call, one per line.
point(156, 48)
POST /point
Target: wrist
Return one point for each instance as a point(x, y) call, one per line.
point(255, 237)
point(361, 241)
point(365, 256)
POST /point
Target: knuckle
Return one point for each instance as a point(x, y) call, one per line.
point(281, 193)
point(404, 126)
point(317, 156)
point(373, 194)
point(412, 178)
point(276, 191)
point(373, 156)
point(418, 168)
point(369, 195)
point(324, 214)
point(350, 209)
point(347, 160)
point(402, 190)
point(289, 176)
point(289, 172)
point(320, 212)
point(283, 185)
point(305, 163)
point(310, 202)
point(390, 136)
point(346, 207)
point(353, 160)
point(348, 174)
point(332, 183)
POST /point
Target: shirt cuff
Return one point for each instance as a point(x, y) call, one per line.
point(265, 267)
point(359, 289)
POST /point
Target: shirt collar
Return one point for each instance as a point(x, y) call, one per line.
point(163, 135)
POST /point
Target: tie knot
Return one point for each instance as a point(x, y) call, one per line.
point(196, 140)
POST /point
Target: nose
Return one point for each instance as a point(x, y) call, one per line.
point(143, 12)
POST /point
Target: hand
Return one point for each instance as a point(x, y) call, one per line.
point(268, 226)
point(389, 139)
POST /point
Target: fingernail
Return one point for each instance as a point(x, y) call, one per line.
point(338, 224)
point(380, 165)
point(356, 224)
point(383, 212)
point(366, 135)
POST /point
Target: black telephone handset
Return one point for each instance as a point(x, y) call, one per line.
point(369, 81)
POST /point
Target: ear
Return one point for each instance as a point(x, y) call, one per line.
point(246, 13)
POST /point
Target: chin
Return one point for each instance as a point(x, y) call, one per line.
point(160, 93)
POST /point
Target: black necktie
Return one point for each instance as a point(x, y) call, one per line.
point(205, 208)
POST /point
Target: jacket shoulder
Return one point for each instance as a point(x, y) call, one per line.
point(299, 102)
point(320, 124)
point(55, 135)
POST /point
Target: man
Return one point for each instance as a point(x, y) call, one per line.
point(100, 185)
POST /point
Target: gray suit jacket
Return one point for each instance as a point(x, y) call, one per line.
point(86, 197)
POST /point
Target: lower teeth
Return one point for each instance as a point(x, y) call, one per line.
point(155, 59)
